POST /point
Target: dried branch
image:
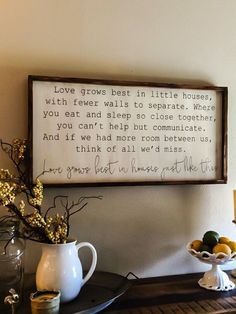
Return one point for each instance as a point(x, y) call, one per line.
point(54, 204)
point(49, 229)
point(5, 218)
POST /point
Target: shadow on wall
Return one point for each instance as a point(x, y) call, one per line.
point(141, 229)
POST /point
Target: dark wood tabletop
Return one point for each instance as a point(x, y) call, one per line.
point(173, 294)
point(170, 294)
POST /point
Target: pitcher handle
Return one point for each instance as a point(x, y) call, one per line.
point(94, 260)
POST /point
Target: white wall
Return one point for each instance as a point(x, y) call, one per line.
point(138, 229)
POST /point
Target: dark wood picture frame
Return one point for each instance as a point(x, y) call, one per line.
point(79, 156)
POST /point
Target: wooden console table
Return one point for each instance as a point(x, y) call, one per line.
point(170, 294)
point(173, 294)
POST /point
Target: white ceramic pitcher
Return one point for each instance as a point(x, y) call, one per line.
point(60, 269)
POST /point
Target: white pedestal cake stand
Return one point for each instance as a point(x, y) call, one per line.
point(214, 279)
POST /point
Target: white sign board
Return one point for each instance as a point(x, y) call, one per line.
point(106, 132)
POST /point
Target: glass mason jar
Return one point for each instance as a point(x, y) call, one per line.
point(11, 262)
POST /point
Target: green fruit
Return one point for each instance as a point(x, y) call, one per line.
point(206, 248)
point(211, 238)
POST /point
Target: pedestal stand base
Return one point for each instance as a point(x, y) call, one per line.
point(216, 279)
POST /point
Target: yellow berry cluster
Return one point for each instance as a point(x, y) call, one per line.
point(22, 207)
point(56, 229)
point(19, 148)
point(5, 174)
point(7, 193)
point(36, 220)
point(37, 193)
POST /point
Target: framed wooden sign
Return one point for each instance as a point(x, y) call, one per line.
point(91, 132)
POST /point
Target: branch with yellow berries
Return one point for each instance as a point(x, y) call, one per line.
point(16, 190)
